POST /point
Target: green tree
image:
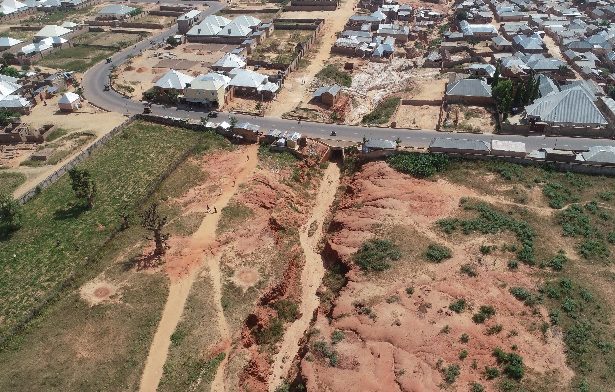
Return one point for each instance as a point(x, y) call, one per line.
point(83, 185)
point(496, 75)
point(171, 41)
point(10, 215)
point(10, 71)
point(503, 95)
point(6, 116)
point(233, 121)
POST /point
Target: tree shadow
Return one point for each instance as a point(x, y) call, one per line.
point(142, 262)
point(70, 212)
point(6, 232)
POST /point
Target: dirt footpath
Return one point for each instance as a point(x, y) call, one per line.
point(186, 259)
point(296, 85)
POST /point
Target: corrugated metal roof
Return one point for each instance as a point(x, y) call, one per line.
point(573, 106)
point(469, 88)
point(460, 144)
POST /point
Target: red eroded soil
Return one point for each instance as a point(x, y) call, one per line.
point(409, 338)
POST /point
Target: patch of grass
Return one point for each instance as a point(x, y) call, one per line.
point(74, 58)
point(56, 134)
point(450, 373)
point(189, 371)
point(271, 334)
point(337, 336)
point(233, 214)
point(52, 246)
point(9, 181)
point(468, 269)
point(332, 74)
point(491, 221)
point(437, 253)
point(585, 222)
point(524, 295)
point(382, 112)
point(418, 164)
point(558, 195)
point(376, 255)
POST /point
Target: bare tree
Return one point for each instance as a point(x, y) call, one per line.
point(152, 220)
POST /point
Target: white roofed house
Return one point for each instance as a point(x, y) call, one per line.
point(168, 87)
point(228, 62)
point(8, 42)
point(51, 31)
point(116, 12)
point(69, 102)
point(210, 89)
point(10, 98)
point(218, 29)
point(252, 84)
point(8, 7)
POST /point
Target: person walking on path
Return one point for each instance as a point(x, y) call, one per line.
point(215, 210)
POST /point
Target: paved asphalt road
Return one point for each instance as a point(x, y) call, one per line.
point(95, 79)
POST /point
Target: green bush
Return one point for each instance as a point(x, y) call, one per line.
point(463, 354)
point(10, 215)
point(437, 253)
point(513, 264)
point(458, 306)
point(376, 255)
point(513, 363)
point(494, 329)
point(270, 334)
point(523, 295)
point(418, 164)
point(558, 195)
point(332, 74)
point(491, 372)
point(337, 336)
point(558, 261)
point(484, 313)
point(324, 350)
point(451, 372)
point(476, 387)
point(287, 310)
point(464, 338)
point(409, 291)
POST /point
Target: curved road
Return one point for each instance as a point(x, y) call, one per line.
point(96, 77)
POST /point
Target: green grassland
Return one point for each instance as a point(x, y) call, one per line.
point(57, 238)
point(70, 345)
point(9, 181)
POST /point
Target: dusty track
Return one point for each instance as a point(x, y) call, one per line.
point(201, 242)
point(311, 277)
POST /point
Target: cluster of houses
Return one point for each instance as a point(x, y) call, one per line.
point(567, 48)
point(14, 7)
point(375, 35)
point(228, 78)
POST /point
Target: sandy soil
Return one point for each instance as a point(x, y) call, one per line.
point(402, 347)
point(311, 277)
point(296, 85)
point(421, 117)
point(188, 255)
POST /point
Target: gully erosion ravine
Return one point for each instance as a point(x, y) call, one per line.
point(311, 276)
point(202, 241)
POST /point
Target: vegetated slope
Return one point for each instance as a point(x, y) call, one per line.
point(438, 309)
point(95, 336)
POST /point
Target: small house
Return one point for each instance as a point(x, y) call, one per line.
point(327, 95)
point(69, 102)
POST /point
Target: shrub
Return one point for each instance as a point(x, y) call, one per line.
point(445, 329)
point(451, 372)
point(513, 363)
point(557, 195)
point(458, 306)
point(376, 255)
point(485, 249)
point(513, 264)
point(523, 295)
point(332, 74)
point(409, 291)
point(593, 249)
point(485, 313)
point(469, 270)
point(463, 354)
point(10, 215)
point(476, 387)
point(491, 372)
point(324, 350)
point(558, 261)
point(337, 336)
point(464, 338)
point(287, 310)
point(270, 334)
point(437, 253)
point(495, 329)
point(418, 164)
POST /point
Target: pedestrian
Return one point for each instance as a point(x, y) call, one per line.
point(233, 182)
point(207, 207)
point(248, 157)
point(215, 210)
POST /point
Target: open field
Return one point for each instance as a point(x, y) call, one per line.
point(113, 40)
point(59, 16)
point(75, 58)
point(58, 237)
point(503, 279)
point(280, 46)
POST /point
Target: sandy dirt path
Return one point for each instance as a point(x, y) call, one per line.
point(295, 87)
point(311, 276)
point(202, 241)
point(216, 279)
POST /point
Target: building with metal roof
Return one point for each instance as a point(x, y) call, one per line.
point(573, 107)
point(460, 146)
point(173, 80)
